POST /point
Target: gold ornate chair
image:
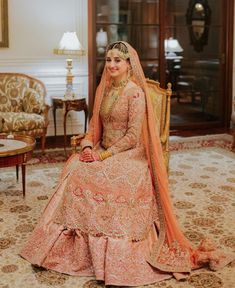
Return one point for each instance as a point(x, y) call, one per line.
point(161, 106)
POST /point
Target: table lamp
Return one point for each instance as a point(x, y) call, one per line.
point(172, 46)
point(69, 45)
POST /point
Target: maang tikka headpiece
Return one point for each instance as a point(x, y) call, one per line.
point(122, 49)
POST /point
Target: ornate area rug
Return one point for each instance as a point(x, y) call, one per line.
point(176, 143)
point(202, 185)
point(216, 140)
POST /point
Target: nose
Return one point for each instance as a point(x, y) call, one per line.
point(111, 64)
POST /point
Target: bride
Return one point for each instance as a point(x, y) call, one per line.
point(111, 215)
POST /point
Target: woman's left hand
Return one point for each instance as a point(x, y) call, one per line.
point(86, 155)
point(96, 156)
point(90, 157)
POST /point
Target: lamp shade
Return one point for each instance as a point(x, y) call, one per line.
point(172, 45)
point(101, 38)
point(69, 45)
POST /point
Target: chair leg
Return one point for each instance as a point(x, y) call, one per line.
point(43, 141)
point(233, 146)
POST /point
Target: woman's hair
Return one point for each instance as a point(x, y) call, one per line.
point(121, 47)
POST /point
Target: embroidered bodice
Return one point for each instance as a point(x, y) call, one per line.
point(122, 118)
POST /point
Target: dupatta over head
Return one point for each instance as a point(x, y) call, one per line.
point(172, 252)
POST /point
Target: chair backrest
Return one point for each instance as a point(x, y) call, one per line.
point(13, 87)
point(161, 106)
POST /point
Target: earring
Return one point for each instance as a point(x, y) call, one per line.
point(129, 73)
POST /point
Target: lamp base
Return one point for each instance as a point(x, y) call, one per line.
point(69, 94)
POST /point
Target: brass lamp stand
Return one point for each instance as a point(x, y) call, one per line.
point(69, 80)
point(69, 45)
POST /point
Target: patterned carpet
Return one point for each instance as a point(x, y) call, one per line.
point(203, 190)
point(176, 143)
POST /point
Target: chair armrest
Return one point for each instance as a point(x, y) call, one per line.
point(45, 112)
point(46, 108)
point(164, 138)
point(75, 141)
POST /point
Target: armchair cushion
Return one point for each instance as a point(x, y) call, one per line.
point(32, 102)
point(21, 121)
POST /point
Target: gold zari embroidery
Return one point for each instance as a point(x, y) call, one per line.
point(110, 98)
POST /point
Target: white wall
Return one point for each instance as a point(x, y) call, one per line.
point(35, 29)
point(233, 104)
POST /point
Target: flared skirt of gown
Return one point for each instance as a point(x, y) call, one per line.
point(101, 221)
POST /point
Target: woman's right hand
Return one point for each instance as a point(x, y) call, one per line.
point(86, 155)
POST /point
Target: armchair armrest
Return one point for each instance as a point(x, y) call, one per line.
point(45, 112)
point(75, 141)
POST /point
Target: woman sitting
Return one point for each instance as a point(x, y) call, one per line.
point(111, 216)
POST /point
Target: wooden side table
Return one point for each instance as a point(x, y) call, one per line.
point(16, 151)
point(67, 105)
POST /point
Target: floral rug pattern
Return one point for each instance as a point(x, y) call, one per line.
point(176, 144)
point(202, 183)
point(216, 140)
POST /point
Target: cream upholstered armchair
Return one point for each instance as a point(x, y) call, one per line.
point(161, 106)
point(22, 106)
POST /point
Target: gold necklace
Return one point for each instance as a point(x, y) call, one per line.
point(110, 98)
point(120, 84)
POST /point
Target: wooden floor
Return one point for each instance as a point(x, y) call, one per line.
point(197, 132)
point(54, 142)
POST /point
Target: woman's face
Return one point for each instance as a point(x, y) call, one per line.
point(116, 65)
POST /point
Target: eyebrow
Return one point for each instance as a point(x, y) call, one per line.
point(116, 57)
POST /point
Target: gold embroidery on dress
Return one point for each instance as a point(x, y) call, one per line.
point(110, 98)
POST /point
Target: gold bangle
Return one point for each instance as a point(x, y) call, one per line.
point(105, 154)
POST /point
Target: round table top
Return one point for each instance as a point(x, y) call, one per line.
point(17, 144)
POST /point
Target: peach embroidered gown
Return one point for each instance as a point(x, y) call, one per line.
point(101, 221)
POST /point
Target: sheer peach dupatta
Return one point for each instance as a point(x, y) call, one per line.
point(172, 252)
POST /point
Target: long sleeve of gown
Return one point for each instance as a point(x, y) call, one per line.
point(136, 108)
point(88, 139)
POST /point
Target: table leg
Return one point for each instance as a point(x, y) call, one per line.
point(17, 173)
point(86, 115)
point(54, 116)
point(233, 146)
point(23, 178)
point(65, 133)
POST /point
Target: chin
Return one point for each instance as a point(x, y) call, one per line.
point(113, 74)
